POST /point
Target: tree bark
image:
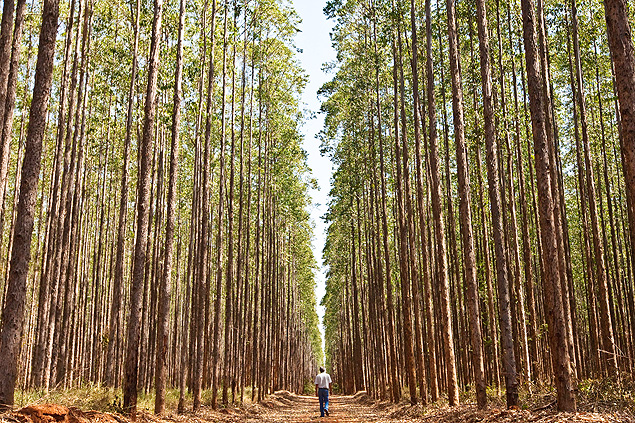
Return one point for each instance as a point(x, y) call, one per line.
point(439, 225)
point(505, 318)
point(8, 102)
point(623, 57)
point(392, 348)
point(112, 375)
point(526, 240)
point(406, 303)
point(6, 32)
point(13, 311)
point(143, 200)
point(166, 283)
point(219, 223)
point(606, 327)
point(552, 292)
point(465, 210)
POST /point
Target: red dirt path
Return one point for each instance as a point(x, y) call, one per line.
point(284, 407)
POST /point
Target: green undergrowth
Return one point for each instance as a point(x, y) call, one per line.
point(309, 387)
point(607, 394)
point(594, 395)
point(86, 397)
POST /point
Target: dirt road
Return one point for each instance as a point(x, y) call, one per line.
point(285, 407)
point(296, 409)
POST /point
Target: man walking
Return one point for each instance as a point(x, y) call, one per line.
point(322, 387)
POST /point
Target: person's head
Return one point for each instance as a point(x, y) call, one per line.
point(322, 369)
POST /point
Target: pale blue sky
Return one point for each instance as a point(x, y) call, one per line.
point(315, 42)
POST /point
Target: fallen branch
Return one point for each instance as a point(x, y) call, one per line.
point(544, 407)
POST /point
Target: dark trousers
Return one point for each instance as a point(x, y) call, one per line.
point(323, 395)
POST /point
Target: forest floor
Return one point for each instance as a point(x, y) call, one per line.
point(284, 407)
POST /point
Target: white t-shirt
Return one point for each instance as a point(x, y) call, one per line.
point(322, 380)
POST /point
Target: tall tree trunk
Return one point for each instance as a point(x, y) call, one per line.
point(259, 263)
point(69, 257)
point(6, 37)
point(527, 254)
point(465, 210)
point(199, 314)
point(505, 318)
point(219, 223)
point(421, 209)
point(623, 57)
point(421, 368)
point(439, 226)
point(166, 283)
point(52, 280)
point(13, 311)
point(410, 225)
point(560, 222)
point(112, 375)
point(229, 269)
point(408, 351)
point(6, 118)
point(392, 346)
point(357, 339)
point(143, 220)
point(511, 223)
point(609, 199)
point(552, 292)
point(608, 339)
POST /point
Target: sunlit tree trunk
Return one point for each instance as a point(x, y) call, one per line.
point(13, 311)
point(143, 202)
point(439, 225)
point(505, 318)
point(465, 210)
point(112, 375)
point(551, 278)
point(406, 301)
point(165, 290)
point(623, 57)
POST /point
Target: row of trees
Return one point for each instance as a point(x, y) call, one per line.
point(481, 226)
point(154, 217)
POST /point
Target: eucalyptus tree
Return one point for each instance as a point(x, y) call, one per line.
point(118, 282)
point(143, 199)
point(598, 245)
point(439, 225)
point(11, 36)
point(465, 200)
point(623, 57)
point(502, 272)
point(165, 289)
point(552, 281)
point(555, 276)
point(87, 237)
point(14, 306)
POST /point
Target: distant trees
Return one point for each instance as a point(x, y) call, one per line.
point(210, 156)
point(564, 275)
